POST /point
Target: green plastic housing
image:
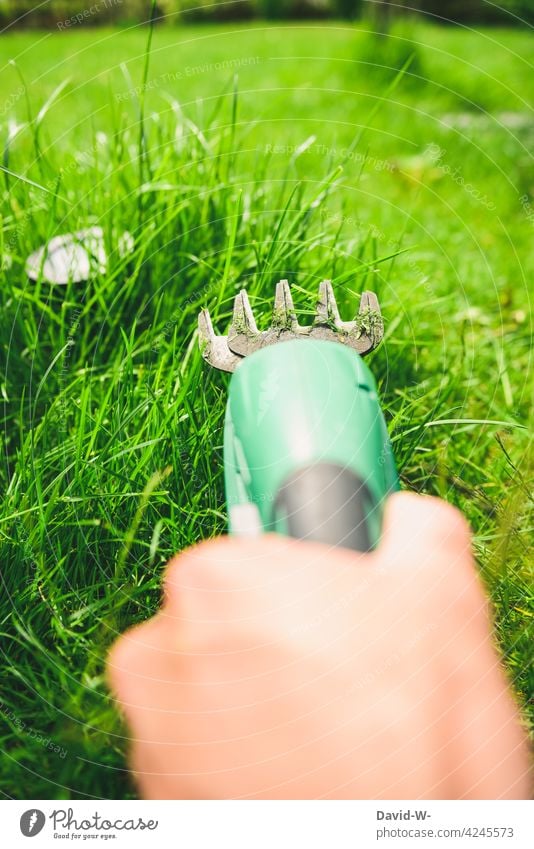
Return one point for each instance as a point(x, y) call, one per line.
point(300, 403)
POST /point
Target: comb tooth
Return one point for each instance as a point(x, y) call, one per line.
point(243, 335)
point(369, 301)
point(213, 348)
point(244, 338)
point(243, 316)
point(326, 311)
point(205, 330)
point(369, 305)
point(284, 316)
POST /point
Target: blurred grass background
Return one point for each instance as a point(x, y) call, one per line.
point(27, 13)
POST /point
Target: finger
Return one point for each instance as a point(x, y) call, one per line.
point(228, 580)
point(230, 562)
point(275, 580)
point(424, 526)
point(215, 564)
point(144, 647)
point(427, 544)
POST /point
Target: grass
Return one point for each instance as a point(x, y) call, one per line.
point(112, 426)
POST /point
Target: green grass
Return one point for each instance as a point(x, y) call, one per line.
point(111, 432)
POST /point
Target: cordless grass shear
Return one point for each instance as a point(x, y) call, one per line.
point(306, 449)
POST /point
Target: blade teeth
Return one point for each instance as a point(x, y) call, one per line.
point(284, 316)
point(213, 348)
point(326, 311)
point(243, 316)
point(221, 357)
point(369, 304)
point(369, 301)
point(205, 328)
point(244, 335)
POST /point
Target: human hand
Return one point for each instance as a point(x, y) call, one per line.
point(283, 669)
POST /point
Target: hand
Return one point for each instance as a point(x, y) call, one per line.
point(283, 669)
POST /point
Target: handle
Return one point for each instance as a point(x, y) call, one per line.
point(327, 503)
point(306, 445)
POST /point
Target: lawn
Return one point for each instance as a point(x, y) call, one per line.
point(247, 155)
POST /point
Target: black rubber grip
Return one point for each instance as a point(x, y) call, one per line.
point(326, 503)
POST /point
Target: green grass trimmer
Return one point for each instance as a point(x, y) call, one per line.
point(306, 449)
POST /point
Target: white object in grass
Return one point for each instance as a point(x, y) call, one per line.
point(74, 257)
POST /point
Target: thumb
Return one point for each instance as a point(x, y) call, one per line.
point(422, 527)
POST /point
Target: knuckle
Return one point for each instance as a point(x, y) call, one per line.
point(446, 524)
point(426, 526)
point(463, 588)
point(456, 523)
point(136, 653)
point(123, 656)
point(208, 566)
